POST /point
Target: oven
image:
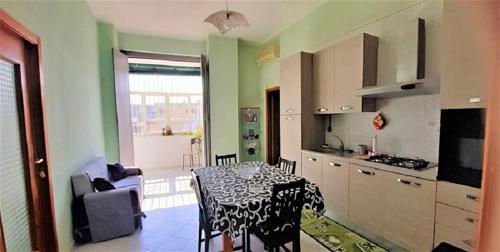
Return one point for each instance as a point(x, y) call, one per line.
point(461, 146)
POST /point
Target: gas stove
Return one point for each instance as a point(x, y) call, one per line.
point(404, 162)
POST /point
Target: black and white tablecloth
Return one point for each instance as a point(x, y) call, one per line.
point(239, 195)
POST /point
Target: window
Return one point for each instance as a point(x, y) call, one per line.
point(161, 101)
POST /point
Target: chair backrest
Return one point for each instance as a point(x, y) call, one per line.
point(225, 159)
point(199, 194)
point(287, 165)
point(287, 201)
point(196, 141)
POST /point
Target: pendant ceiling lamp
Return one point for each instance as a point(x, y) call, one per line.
point(226, 20)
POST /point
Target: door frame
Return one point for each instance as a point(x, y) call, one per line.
point(268, 118)
point(32, 93)
point(204, 70)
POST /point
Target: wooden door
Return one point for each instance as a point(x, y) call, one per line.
point(272, 125)
point(323, 81)
point(290, 84)
point(28, 221)
point(124, 119)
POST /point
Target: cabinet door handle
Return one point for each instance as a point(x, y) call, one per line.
point(366, 172)
point(289, 110)
point(469, 243)
point(335, 164)
point(289, 118)
point(471, 197)
point(322, 109)
point(344, 108)
point(311, 159)
point(408, 182)
point(470, 220)
point(475, 99)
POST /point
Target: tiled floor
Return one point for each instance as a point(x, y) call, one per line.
point(172, 222)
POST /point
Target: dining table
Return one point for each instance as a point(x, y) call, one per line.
point(238, 196)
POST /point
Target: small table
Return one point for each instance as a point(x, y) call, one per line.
point(238, 196)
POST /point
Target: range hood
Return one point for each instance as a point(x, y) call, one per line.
point(410, 67)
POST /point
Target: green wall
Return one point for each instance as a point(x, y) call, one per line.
point(68, 31)
point(106, 42)
point(248, 88)
point(223, 60)
point(150, 44)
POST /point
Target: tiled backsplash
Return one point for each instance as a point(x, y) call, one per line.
point(412, 127)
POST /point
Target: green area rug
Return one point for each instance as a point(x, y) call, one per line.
point(334, 236)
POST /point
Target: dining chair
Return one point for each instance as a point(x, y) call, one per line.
point(225, 159)
point(287, 165)
point(283, 224)
point(206, 221)
point(196, 151)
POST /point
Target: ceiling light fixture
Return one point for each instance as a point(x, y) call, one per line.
point(226, 20)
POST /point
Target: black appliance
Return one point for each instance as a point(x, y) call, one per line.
point(461, 146)
point(404, 162)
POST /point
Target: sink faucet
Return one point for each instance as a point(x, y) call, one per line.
point(341, 146)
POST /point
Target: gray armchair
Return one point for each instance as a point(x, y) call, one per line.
point(105, 215)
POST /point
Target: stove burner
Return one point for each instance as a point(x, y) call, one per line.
point(404, 162)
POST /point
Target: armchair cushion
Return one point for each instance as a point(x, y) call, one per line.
point(117, 171)
point(102, 185)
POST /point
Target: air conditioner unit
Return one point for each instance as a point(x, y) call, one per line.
point(267, 54)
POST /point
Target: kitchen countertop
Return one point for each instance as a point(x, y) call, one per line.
point(429, 173)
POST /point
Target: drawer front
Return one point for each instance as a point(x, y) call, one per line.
point(463, 221)
point(335, 186)
point(454, 237)
point(464, 197)
point(409, 211)
point(366, 198)
point(311, 168)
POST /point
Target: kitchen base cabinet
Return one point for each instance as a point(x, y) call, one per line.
point(311, 168)
point(456, 215)
point(366, 198)
point(335, 186)
point(409, 211)
point(454, 237)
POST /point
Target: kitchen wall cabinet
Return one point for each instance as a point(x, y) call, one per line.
point(341, 69)
point(469, 50)
point(299, 127)
point(293, 70)
point(335, 186)
point(366, 198)
point(355, 67)
point(323, 80)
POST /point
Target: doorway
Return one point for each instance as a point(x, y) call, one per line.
point(273, 124)
point(26, 199)
point(166, 120)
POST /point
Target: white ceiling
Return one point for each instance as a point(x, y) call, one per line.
point(184, 19)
